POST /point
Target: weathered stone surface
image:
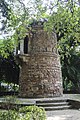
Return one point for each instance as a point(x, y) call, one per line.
point(40, 74)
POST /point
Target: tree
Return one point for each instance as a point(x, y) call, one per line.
point(63, 17)
point(9, 70)
point(12, 24)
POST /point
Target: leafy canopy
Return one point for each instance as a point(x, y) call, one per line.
point(63, 17)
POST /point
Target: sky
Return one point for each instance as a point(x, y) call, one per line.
point(26, 2)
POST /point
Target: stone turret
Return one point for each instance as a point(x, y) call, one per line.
point(40, 74)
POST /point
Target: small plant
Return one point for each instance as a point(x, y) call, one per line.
point(9, 115)
point(11, 99)
point(32, 113)
point(23, 113)
point(10, 102)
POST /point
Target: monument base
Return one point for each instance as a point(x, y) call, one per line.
point(40, 76)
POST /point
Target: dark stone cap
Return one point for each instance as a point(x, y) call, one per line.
point(38, 23)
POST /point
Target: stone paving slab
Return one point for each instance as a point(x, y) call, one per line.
point(72, 96)
point(33, 100)
point(63, 115)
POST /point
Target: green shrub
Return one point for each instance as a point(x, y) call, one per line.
point(9, 115)
point(24, 113)
point(33, 113)
point(10, 99)
point(10, 102)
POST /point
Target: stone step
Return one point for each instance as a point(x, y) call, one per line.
point(51, 101)
point(52, 104)
point(57, 108)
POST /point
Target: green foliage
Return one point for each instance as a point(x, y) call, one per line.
point(9, 70)
point(10, 103)
point(63, 18)
point(9, 115)
point(65, 21)
point(66, 25)
point(6, 47)
point(33, 113)
point(25, 113)
point(10, 99)
point(71, 71)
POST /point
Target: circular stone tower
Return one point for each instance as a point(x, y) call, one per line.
point(40, 74)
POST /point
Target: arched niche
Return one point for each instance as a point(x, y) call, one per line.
point(26, 39)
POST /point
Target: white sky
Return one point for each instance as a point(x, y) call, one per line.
point(26, 3)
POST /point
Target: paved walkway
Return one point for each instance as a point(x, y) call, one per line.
point(60, 114)
point(63, 115)
point(33, 100)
